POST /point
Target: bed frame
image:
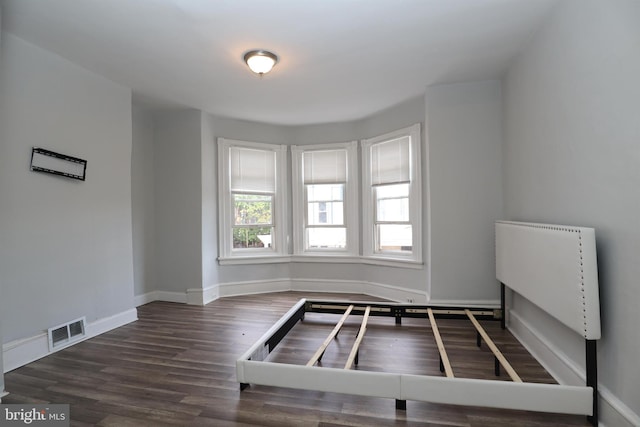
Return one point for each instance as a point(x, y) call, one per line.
point(552, 266)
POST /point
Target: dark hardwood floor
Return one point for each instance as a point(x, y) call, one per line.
point(176, 366)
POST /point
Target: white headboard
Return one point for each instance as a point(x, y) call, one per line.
point(555, 267)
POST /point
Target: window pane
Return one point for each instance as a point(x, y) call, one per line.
point(329, 213)
point(325, 204)
point(252, 209)
point(394, 238)
point(392, 203)
point(326, 192)
point(326, 238)
point(252, 237)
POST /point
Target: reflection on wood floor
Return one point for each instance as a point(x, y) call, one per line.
point(176, 366)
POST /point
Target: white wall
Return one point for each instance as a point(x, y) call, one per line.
point(572, 155)
point(464, 123)
point(1, 279)
point(142, 201)
point(174, 205)
point(66, 247)
point(178, 201)
point(395, 117)
point(209, 216)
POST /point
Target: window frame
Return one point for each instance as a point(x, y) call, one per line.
point(369, 205)
point(350, 201)
point(226, 223)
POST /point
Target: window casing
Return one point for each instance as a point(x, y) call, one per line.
point(252, 188)
point(392, 202)
point(325, 200)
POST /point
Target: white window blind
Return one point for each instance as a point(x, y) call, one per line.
point(390, 161)
point(325, 167)
point(253, 170)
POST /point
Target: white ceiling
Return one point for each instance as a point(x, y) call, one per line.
point(340, 60)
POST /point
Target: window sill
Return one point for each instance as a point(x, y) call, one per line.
point(328, 258)
point(350, 259)
point(322, 258)
point(242, 260)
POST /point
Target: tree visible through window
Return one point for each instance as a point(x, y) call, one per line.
point(253, 220)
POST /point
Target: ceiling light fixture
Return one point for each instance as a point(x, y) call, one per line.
point(260, 61)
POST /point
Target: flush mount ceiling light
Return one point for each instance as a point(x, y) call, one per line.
point(260, 61)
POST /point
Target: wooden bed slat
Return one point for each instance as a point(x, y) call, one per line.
point(330, 338)
point(440, 344)
point(507, 366)
point(356, 344)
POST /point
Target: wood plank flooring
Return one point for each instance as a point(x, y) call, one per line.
point(175, 366)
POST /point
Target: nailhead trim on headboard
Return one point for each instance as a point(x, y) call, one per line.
point(580, 267)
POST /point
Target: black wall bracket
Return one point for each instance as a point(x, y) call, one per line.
point(58, 164)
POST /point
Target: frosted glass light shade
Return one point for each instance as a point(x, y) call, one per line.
point(260, 61)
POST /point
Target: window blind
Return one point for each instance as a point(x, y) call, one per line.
point(253, 170)
point(390, 161)
point(325, 167)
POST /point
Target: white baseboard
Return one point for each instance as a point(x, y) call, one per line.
point(321, 285)
point(106, 324)
point(203, 296)
point(168, 296)
point(143, 299)
point(26, 350)
point(233, 289)
point(612, 411)
point(380, 290)
point(199, 296)
point(476, 303)
point(190, 296)
point(555, 361)
point(395, 293)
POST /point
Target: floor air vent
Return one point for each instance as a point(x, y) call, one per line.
point(67, 333)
